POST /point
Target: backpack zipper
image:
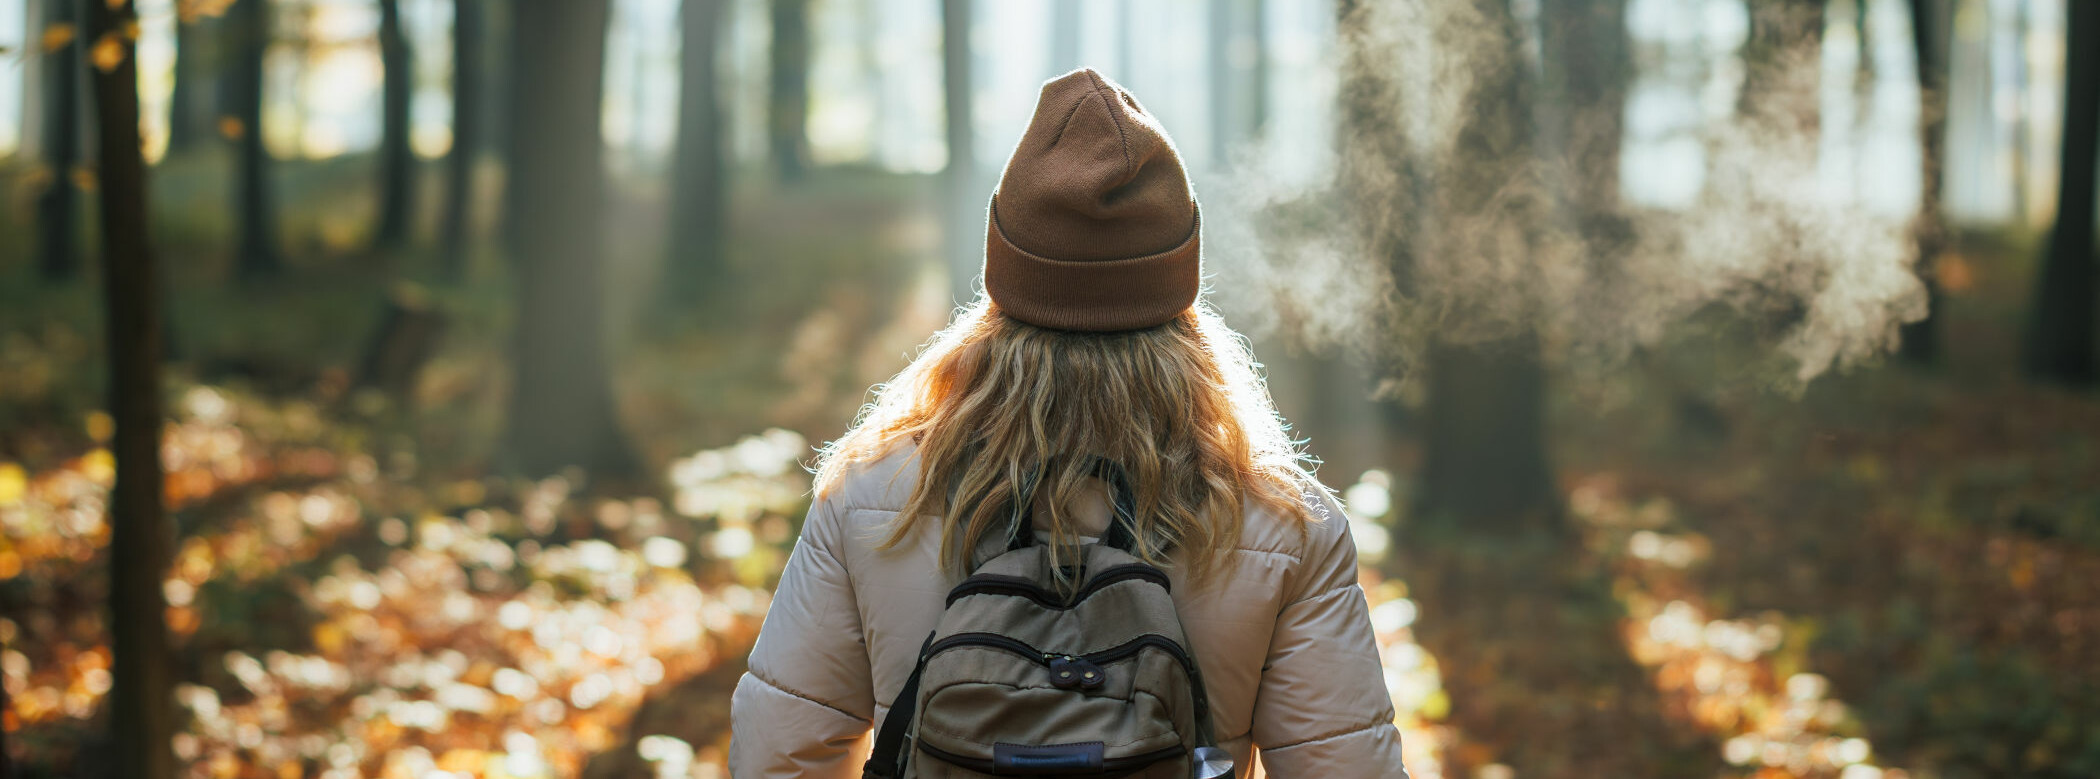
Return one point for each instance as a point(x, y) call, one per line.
point(1048, 599)
point(1112, 654)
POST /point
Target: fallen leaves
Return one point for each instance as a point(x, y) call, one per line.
point(109, 51)
point(56, 36)
point(511, 638)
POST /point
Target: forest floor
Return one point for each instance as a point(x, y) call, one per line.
point(1891, 573)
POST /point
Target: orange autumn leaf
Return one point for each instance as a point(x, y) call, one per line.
point(57, 36)
point(231, 127)
point(108, 53)
point(192, 10)
point(14, 483)
point(1954, 273)
point(100, 426)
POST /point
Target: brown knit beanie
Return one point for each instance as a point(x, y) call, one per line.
point(1092, 227)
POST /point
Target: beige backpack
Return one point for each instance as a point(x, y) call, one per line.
point(1018, 680)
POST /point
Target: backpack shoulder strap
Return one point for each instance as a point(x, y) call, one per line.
point(886, 760)
point(1122, 521)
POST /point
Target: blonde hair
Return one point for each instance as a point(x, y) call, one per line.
point(992, 402)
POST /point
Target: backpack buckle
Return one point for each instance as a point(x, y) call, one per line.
point(1073, 673)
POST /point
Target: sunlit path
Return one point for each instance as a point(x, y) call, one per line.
point(1746, 680)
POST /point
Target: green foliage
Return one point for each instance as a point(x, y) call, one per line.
point(1975, 713)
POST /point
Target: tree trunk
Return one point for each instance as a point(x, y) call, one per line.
point(788, 107)
point(466, 135)
point(561, 410)
point(1484, 469)
point(2060, 331)
point(397, 162)
point(1929, 24)
point(141, 701)
point(503, 88)
point(248, 27)
point(188, 120)
point(1487, 537)
point(57, 253)
point(965, 221)
point(694, 266)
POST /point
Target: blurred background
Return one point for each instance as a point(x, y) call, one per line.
point(1709, 381)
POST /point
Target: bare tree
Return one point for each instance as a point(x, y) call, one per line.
point(561, 409)
point(397, 162)
point(2060, 329)
point(467, 32)
point(57, 253)
point(1493, 178)
point(694, 265)
point(787, 113)
point(254, 206)
point(1930, 21)
point(1484, 466)
point(141, 701)
point(198, 62)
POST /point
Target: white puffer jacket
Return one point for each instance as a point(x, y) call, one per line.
point(1283, 636)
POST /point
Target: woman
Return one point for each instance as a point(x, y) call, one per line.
point(1089, 346)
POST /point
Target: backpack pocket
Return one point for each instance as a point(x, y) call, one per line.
point(994, 706)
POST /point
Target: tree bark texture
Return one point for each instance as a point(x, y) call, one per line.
point(695, 266)
point(561, 409)
point(1930, 21)
point(141, 701)
point(397, 161)
point(1484, 462)
point(196, 64)
point(467, 32)
point(787, 113)
point(2061, 327)
point(58, 252)
point(255, 208)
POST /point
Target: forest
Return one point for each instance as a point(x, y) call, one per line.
point(426, 389)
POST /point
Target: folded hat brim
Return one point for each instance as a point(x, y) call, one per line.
point(1092, 296)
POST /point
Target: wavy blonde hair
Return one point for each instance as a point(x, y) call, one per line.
point(991, 399)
